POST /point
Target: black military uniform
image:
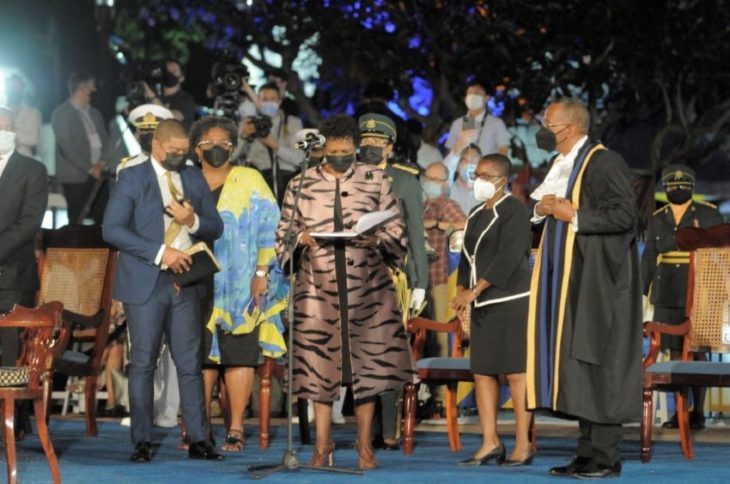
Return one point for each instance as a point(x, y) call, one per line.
point(664, 266)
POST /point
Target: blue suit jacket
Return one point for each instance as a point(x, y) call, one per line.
point(134, 224)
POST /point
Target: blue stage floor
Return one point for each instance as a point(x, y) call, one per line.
point(104, 460)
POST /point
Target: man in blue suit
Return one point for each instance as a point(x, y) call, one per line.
point(156, 211)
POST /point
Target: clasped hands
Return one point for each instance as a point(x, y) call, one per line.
point(556, 207)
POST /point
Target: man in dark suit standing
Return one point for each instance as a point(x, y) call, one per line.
point(82, 145)
point(156, 211)
point(24, 189)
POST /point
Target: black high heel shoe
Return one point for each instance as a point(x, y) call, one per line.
point(497, 454)
point(524, 462)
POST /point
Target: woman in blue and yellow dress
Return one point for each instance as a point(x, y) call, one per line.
point(245, 299)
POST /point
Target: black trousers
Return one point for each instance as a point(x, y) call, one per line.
point(9, 336)
point(600, 442)
point(76, 195)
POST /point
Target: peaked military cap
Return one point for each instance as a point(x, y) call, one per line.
point(378, 126)
point(677, 174)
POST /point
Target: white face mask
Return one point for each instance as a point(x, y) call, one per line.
point(484, 190)
point(475, 102)
point(7, 142)
point(270, 108)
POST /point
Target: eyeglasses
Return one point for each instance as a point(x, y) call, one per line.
point(548, 126)
point(484, 176)
point(437, 180)
point(372, 141)
point(207, 144)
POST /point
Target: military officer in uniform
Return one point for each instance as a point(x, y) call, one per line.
point(665, 268)
point(378, 137)
point(145, 119)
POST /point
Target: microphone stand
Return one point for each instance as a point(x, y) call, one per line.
point(290, 459)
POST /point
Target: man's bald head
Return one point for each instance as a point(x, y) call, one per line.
point(169, 129)
point(437, 171)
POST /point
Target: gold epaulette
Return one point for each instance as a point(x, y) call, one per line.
point(661, 209)
point(407, 169)
point(123, 162)
point(707, 204)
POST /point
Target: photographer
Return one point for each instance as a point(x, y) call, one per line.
point(270, 150)
point(181, 103)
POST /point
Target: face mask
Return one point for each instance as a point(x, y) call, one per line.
point(371, 154)
point(269, 108)
point(145, 141)
point(484, 190)
point(466, 173)
point(173, 162)
point(216, 156)
point(314, 161)
point(432, 189)
point(679, 196)
point(171, 80)
point(340, 163)
point(546, 139)
point(474, 102)
point(7, 142)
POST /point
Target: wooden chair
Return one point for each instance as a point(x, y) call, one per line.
point(447, 371)
point(25, 381)
point(77, 269)
point(705, 329)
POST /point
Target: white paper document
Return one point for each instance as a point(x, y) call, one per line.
point(370, 222)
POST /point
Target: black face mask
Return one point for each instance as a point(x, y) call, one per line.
point(314, 161)
point(546, 139)
point(145, 141)
point(371, 154)
point(679, 196)
point(340, 163)
point(173, 162)
point(216, 156)
point(170, 80)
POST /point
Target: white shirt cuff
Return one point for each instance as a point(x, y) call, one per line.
point(195, 227)
point(158, 259)
point(536, 219)
point(574, 222)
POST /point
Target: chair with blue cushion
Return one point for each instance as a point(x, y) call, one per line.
point(707, 328)
point(77, 269)
point(41, 327)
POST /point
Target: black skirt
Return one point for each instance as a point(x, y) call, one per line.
point(499, 338)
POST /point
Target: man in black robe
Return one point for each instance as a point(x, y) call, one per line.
point(584, 327)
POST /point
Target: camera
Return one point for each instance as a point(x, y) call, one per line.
point(263, 124)
point(226, 80)
point(154, 73)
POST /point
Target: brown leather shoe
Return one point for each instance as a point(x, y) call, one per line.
point(366, 459)
point(324, 457)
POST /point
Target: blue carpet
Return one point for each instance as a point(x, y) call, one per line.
point(104, 459)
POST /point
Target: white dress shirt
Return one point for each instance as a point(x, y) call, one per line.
point(4, 162)
point(182, 241)
point(556, 181)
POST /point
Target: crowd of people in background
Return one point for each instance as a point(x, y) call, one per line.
point(232, 185)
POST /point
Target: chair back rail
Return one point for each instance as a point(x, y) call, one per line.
point(708, 300)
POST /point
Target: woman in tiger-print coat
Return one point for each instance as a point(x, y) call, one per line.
point(348, 328)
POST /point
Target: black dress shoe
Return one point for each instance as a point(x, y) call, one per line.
point(576, 465)
point(672, 423)
point(203, 450)
point(598, 471)
point(524, 462)
point(497, 454)
point(696, 421)
point(379, 443)
point(142, 452)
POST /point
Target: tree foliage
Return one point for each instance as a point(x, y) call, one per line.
point(623, 57)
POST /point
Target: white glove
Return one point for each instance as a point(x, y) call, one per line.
point(417, 298)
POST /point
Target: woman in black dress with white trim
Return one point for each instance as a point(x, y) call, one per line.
point(494, 279)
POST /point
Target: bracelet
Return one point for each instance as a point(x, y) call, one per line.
point(261, 274)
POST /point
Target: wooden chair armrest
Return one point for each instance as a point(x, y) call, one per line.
point(86, 321)
point(673, 329)
point(427, 324)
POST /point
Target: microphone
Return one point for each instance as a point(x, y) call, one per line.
point(307, 139)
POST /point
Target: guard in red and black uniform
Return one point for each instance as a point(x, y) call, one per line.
point(665, 267)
